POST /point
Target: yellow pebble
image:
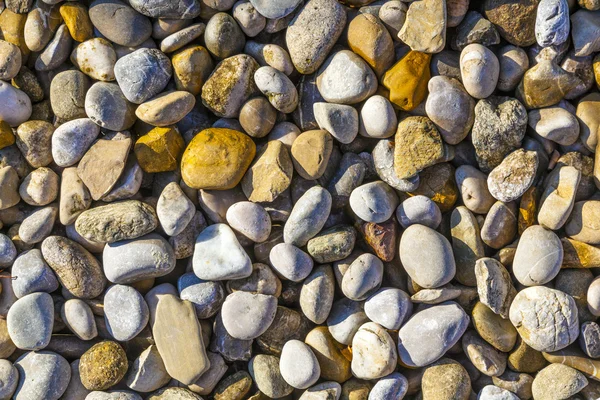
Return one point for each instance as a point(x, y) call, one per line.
point(159, 149)
point(407, 80)
point(77, 20)
point(7, 136)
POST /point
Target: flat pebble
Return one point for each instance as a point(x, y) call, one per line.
point(52, 374)
point(31, 274)
point(174, 209)
point(72, 139)
point(308, 216)
point(30, 321)
point(290, 262)
point(78, 317)
point(125, 312)
point(142, 74)
point(374, 202)
point(298, 365)
point(419, 210)
point(246, 315)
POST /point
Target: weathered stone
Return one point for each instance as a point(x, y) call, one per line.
point(407, 80)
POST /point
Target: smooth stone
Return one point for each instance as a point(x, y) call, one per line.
point(31, 274)
point(142, 74)
point(527, 313)
point(513, 64)
point(345, 319)
point(313, 33)
point(132, 260)
point(177, 333)
point(174, 209)
point(278, 88)
point(431, 18)
point(392, 386)
point(418, 210)
point(113, 394)
point(30, 320)
point(223, 36)
point(107, 223)
point(250, 20)
point(186, 9)
point(374, 202)
point(584, 32)
point(587, 115)
point(181, 38)
point(56, 52)
point(40, 187)
point(72, 139)
point(363, 277)
point(383, 160)
point(552, 23)
point(225, 91)
point(78, 21)
point(308, 216)
point(34, 139)
point(373, 352)
point(419, 243)
point(369, 38)
point(9, 376)
point(514, 22)
point(479, 68)
point(192, 66)
point(298, 365)
point(290, 262)
point(270, 174)
point(251, 220)
point(487, 359)
point(106, 105)
point(102, 366)
point(78, 317)
point(446, 379)
point(147, 372)
point(333, 363)
point(230, 348)
point(513, 176)
point(264, 370)
point(125, 312)
point(377, 118)
point(246, 315)
point(8, 252)
point(38, 225)
point(558, 198)
point(494, 329)
point(580, 224)
point(219, 256)
point(558, 381)
point(494, 285)
point(270, 55)
point(491, 392)
point(96, 58)
point(428, 334)
point(334, 89)
point(166, 109)
point(556, 124)
point(333, 244)
point(316, 295)
point(341, 121)
point(206, 296)
point(11, 60)
point(322, 391)
point(275, 9)
point(52, 373)
point(119, 23)
point(311, 153)
point(257, 117)
point(78, 271)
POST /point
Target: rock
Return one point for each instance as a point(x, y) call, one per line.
point(159, 150)
point(419, 243)
point(143, 74)
point(584, 32)
point(203, 166)
point(270, 174)
point(183, 37)
point(368, 38)
point(419, 210)
point(494, 286)
point(383, 159)
point(316, 296)
point(499, 128)
point(446, 380)
point(52, 374)
point(251, 320)
point(429, 14)
point(56, 52)
point(290, 262)
point(418, 146)
point(72, 139)
point(519, 384)
point(126, 27)
point(527, 314)
point(479, 68)
point(558, 198)
point(308, 216)
point(257, 117)
point(125, 312)
point(30, 320)
point(78, 21)
point(31, 274)
point(7, 137)
point(9, 195)
point(363, 277)
point(589, 339)
point(10, 378)
point(556, 124)
point(78, 317)
point(192, 66)
point(270, 55)
point(513, 64)
point(106, 105)
point(484, 356)
point(230, 348)
point(8, 252)
point(206, 296)
point(491, 392)
point(374, 202)
point(558, 381)
point(34, 140)
point(333, 364)
point(310, 153)
point(174, 209)
point(534, 89)
point(278, 88)
point(102, 366)
point(234, 386)
point(500, 225)
point(473, 186)
point(251, 220)
point(274, 10)
point(179, 340)
point(223, 36)
point(552, 23)
point(264, 370)
point(332, 244)
point(513, 176)
point(132, 260)
point(78, 271)
point(373, 352)
point(515, 22)
point(579, 226)
point(287, 325)
point(11, 60)
point(251, 21)
point(313, 33)
point(407, 80)
point(345, 318)
point(377, 118)
point(230, 85)
point(341, 121)
point(421, 343)
point(40, 187)
point(298, 365)
point(186, 9)
point(475, 29)
point(166, 109)
point(96, 58)
point(38, 225)
point(350, 174)
point(219, 256)
point(395, 385)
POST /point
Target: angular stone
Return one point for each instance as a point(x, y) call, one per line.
point(159, 150)
point(425, 26)
point(513, 176)
point(311, 152)
point(514, 21)
point(407, 80)
point(494, 286)
point(270, 174)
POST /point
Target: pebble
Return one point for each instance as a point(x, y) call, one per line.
point(363, 277)
point(419, 210)
point(316, 296)
point(78, 317)
point(40, 187)
point(206, 296)
point(277, 87)
point(500, 225)
point(72, 139)
point(473, 187)
point(9, 377)
point(132, 260)
point(513, 176)
point(30, 320)
point(474, 28)
point(52, 374)
point(593, 301)
point(127, 27)
point(102, 366)
point(186, 9)
point(38, 225)
point(530, 88)
point(377, 118)
point(419, 243)
point(527, 314)
point(579, 226)
point(290, 262)
point(446, 379)
point(484, 356)
point(192, 66)
point(308, 216)
point(275, 10)
point(96, 58)
point(67, 94)
point(558, 198)
point(8, 252)
point(425, 26)
point(270, 174)
point(429, 333)
point(11, 60)
point(166, 109)
point(589, 339)
point(369, 38)
point(264, 370)
point(142, 74)
point(519, 384)
point(125, 312)
point(354, 69)
point(257, 117)
point(250, 320)
point(491, 392)
point(552, 23)
point(515, 22)
point(174, 209)
point(181, 38)
point(480, 69)
point(394, 385)
point(298, 365)
point(374, 202)
point(56, 52)
point(383, 160)
point(513, 64)
point(340, 120)
point(494, 285)
point(373, 352)
point(31, 274)
point(558, 381)
point(556, 124)
point(311, 152)
point(107, 106)
point(223, 36)
point(407, 80)
point(34, 139)
point(345, 318)
point(313, 33)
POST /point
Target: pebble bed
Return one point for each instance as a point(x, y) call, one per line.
point(299, 199)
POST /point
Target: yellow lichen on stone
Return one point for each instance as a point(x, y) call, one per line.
point(7, 136)
point(217, 158)
point(77, 20)
point(159, 149)
point(407, 80)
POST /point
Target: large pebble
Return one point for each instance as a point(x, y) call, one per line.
point(51, 371)
point(167, 108)
point(72, 139)
point(251, 220)
point(374, 202)
point(247, 315)
point(363, 277)
point(290, 262)
point(30, 320)
point(106, 105)
point(34, 139)
point(298, 365)
point(103, 365)
point(425, 26)
point(125, 312)
point(31, 274)
point(394, 385)
point(142, 74)
point(556, 124)
point(223, 36)
point(316, 296)
point(185, 9)
point(513, 176)
point(340, 120)
point(120, 23)
point(373, 352)
point(581, 225)
point(147, 372)
point(377, 118)
point(174, 209)
point(494, 285)
point(558, 198)
point(552, 22)
point(96, 58)
point(308, 216)
point(558, 381)
point(311, 152)
point(345, 319)
point(419, 210)
point(264, 370)
point(206, 296)
point(377, 307)
point(479, 68)
point(278, 88)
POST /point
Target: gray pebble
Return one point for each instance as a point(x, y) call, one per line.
point(251, 21)
point(56, 52)
point(589, 339)
point(113, 395)
point(51, 371)
point(8, 252)
point(30, 320)
point(249, 219)
point(15, 105)
point(106, 105)
point(363, 277)
point(392, 386)
point(38, 225)
point(552, 23)
point(120, 23)
point(500, 225)
point(9, 378)
point(308, 216)
point(143, 74)
point(491, 392)
point(513, 176)
point(345, 318)
point(298, 365)
point(383, 159)
point(230, 348)
point(264, 370)
point(322, 391)
point(290, 262)
point(134, 260)
point(147, 372)
point(419, 210)
point(174, 209)
point(181, 38)
point(513, 64)
point(72, 139)
point(377, 118)
point(278, 88)
point(538, 257)
point(340, 120)
point(223, 36)
point(184, 9)
point(31, 274)
point(389, 307)
point(206, 296)
point(67, 94)
point(494, 285)
point(274, 9)
point(125, 312)
point(78, 317)
point(374, 202)
point(316, 296)
point(247, 315)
